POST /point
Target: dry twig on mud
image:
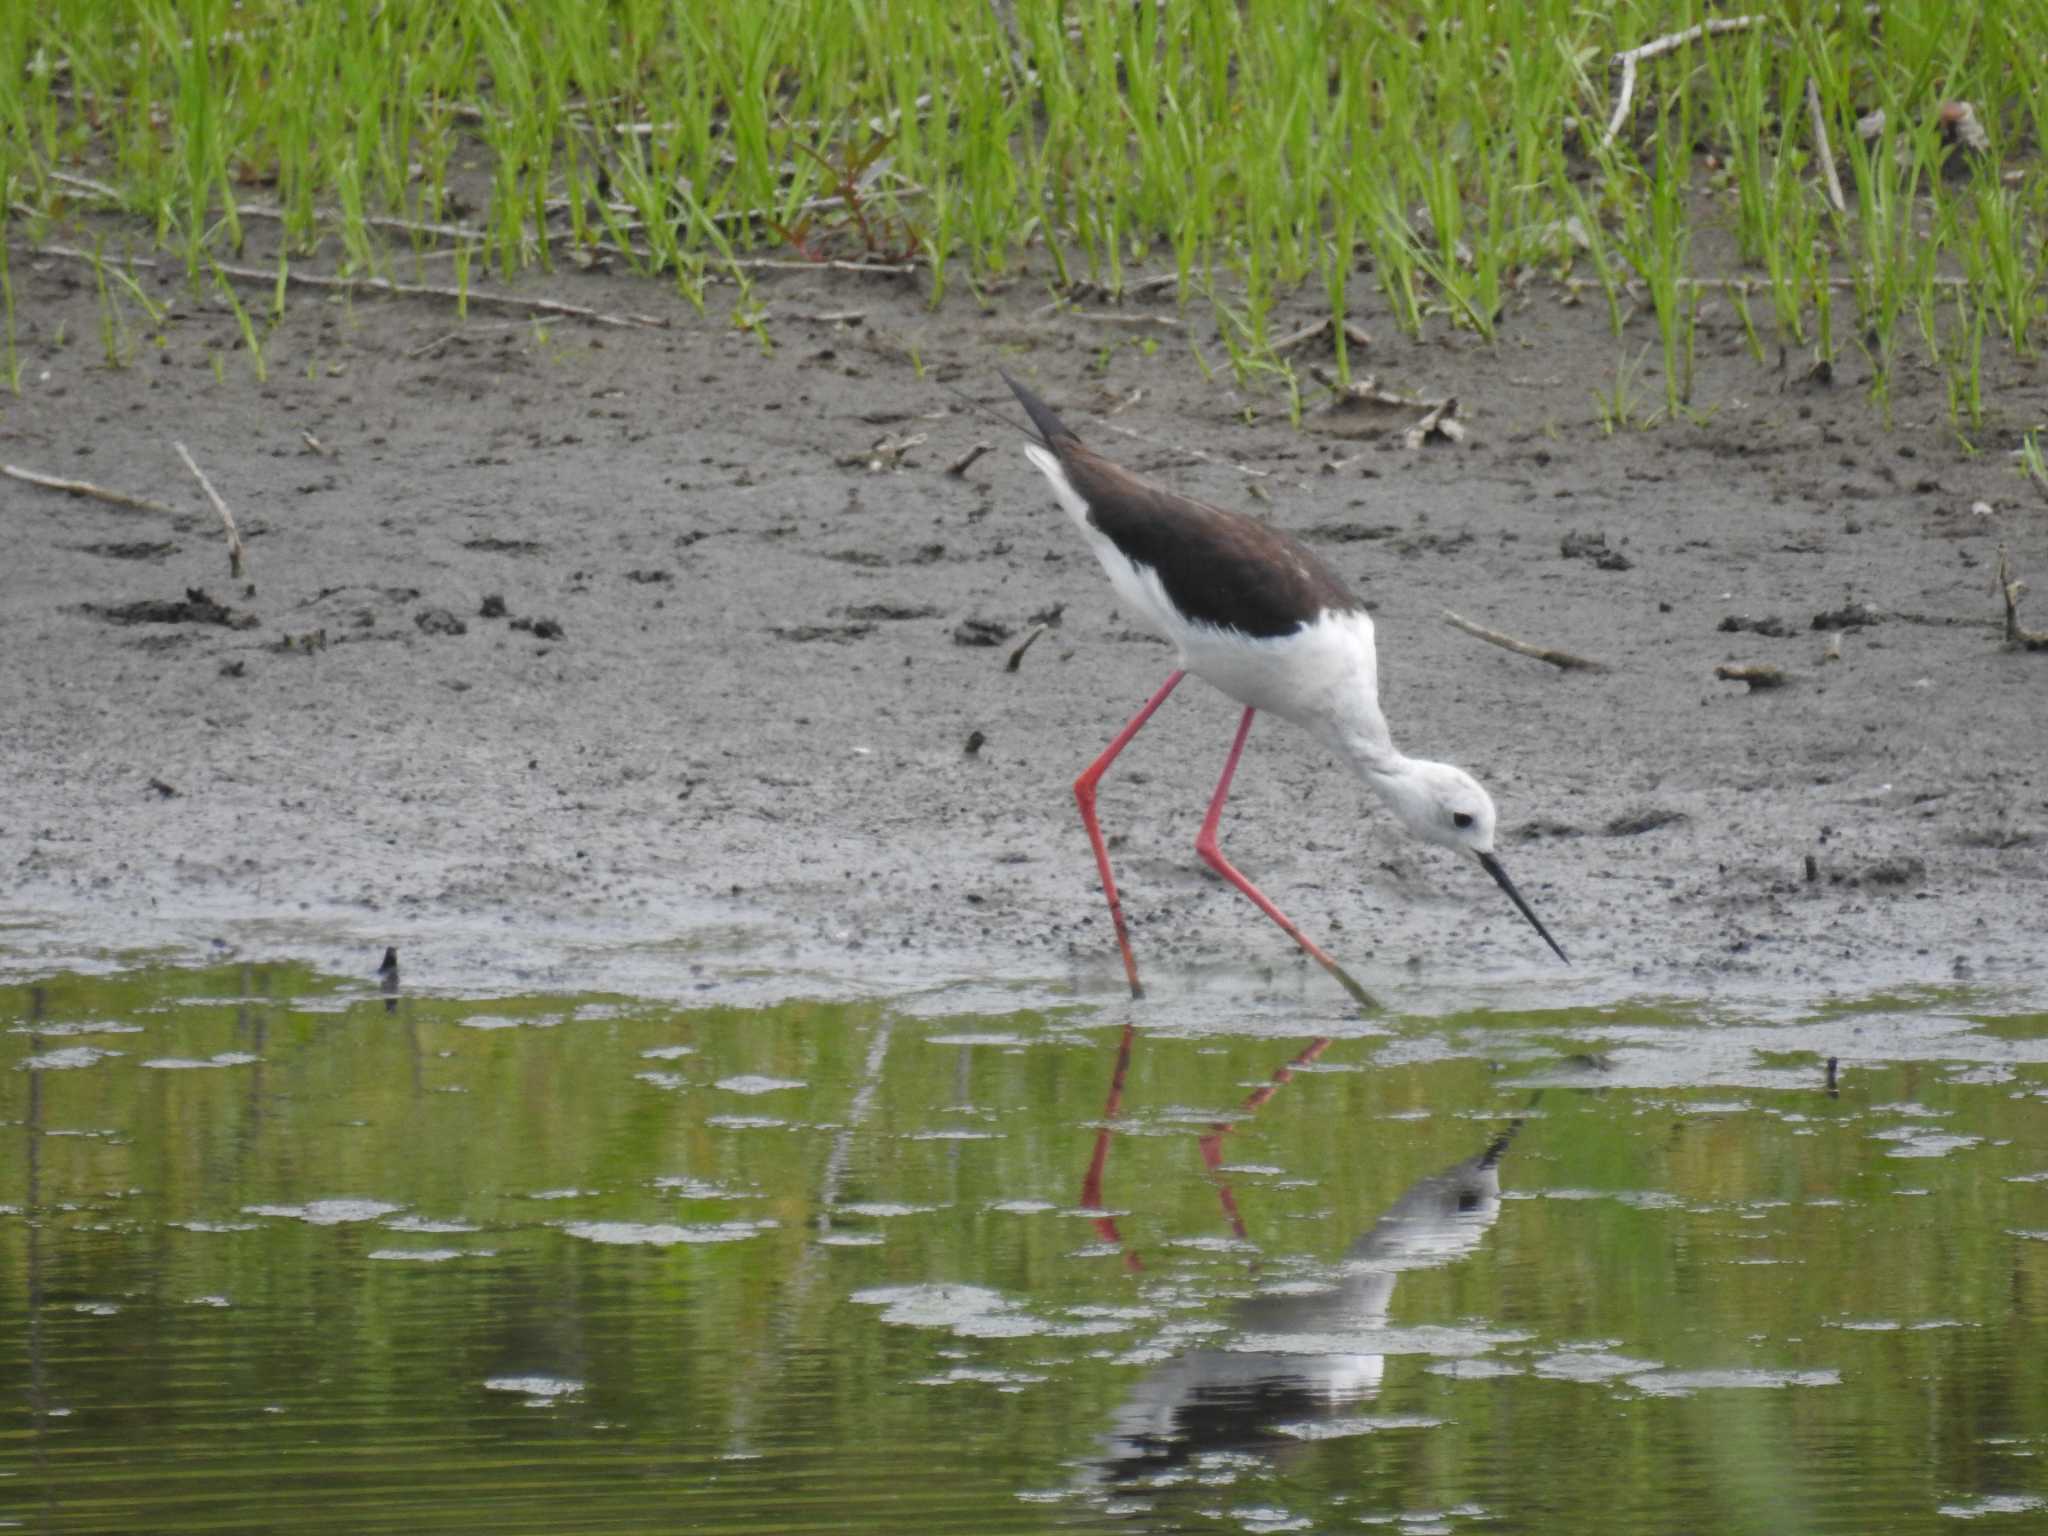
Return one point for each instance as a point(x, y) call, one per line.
point(2011, 588)
point(1439, 421)
point(1758, 674)
point(1563, 660)
point(1139, 322)
point(236, 554)
point(88, 489)
point(475, 296)
point(1656, 49)
point(1354, 333)
point(1030, 638)
point(961, 465)
point(1821, 151)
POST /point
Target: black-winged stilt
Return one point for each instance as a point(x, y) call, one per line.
point(1262, 617)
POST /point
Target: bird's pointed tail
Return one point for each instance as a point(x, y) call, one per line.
point(1051, 430)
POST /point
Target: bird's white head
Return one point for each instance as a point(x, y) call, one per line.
point(1445, 805)
point(1441, 804)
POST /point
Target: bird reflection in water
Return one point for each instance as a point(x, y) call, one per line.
point(1290, 1368)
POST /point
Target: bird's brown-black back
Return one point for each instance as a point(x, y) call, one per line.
point(1219, 567)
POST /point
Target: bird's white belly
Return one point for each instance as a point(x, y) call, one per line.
point(1324, 675)
point(1320, 673)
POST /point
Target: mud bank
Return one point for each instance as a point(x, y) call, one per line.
point(644, 657)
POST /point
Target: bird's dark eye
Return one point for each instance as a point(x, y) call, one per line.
point(1461, 819)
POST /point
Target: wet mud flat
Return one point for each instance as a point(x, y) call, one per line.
point(653, 656)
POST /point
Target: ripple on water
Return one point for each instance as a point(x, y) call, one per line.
point(539, 1391)
point(1685, 1383)
point(1356, 1424)
point(1912, 1141)
point(1425, 1339)
point(1474, 1370)
point(1994, 1504)
point(427, 1224)
point(665, 1234)
point(187, 1063)
point(69, 1058)
point(328, 1213)
point(685, 1187)
point(752, 1082)
point(1591, 1365)
point(421, 1255)
point(970, 1038)
point(667, 1052)
point(76, 1027)
point(972, 1311)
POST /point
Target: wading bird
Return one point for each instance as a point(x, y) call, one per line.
point(1262, 617)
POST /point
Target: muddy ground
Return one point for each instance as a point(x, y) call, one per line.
point(613, 657)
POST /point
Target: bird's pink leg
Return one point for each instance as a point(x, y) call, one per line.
point(1212, 855)
point(1084, 793)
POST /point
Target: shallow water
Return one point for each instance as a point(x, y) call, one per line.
point(278, 1250)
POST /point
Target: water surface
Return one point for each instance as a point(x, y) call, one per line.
point(279, 1251)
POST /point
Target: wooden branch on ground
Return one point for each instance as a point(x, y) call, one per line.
point(2011, 588)
point(479, 297)
point(235, 551)
point(1825, 155)
point(1758, 674)
point(1656, 49)
point(88, 489)
point(1563, 660)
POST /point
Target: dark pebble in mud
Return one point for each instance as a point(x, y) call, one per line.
point(980, 632)
point(1647, 819)
point(1773, 627)
point(439, 621)
point(490, 546)
point(891, 611)
point(1901, 869)
point(129, 551)
point(1593, 547)
point(196, 608)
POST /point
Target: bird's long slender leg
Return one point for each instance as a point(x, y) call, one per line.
point(1212, 855)
point(1084, 794)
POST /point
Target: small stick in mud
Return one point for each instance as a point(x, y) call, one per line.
point(1656, 48)
point(1563, 660)
point(1354, 333)
point(474, 296)
point(88, 489)
point(1030, 639)
point(961, 465)
point(1758, 674)
point(1821, 151)
point(1139, 322)
point(2011, 588)
point(235, 552)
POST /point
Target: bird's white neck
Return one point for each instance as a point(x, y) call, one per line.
point(1399, 780)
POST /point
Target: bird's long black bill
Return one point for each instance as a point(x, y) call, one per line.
point(1501, 877)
